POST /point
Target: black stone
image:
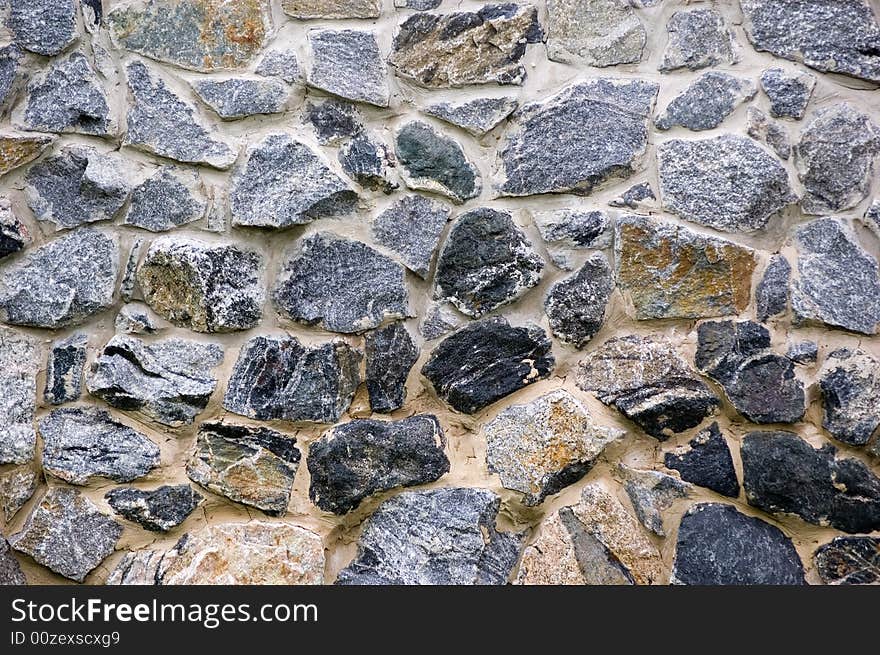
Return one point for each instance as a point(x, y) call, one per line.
point(64, 370)
point(849, 561)
point(771, 294)
point(390, 355)
point(368, 161)
point(333, 121)
point(576, 305)
point(708, 463)
point(158, 510)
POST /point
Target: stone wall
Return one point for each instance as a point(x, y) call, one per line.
point(596, 279)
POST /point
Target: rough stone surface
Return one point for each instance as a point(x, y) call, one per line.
point(159, 510)
point(64, 370)
point(135, 318)
point(10, 569)
point(803, 352)
point(167, 199)
point(566, 231)
point(45, 27)
point(477, 117)
point(308, 9)
point(849, 561)
point(698, 38)
point(411, 228)
point(872, 216)
point(239, 97)
point(637, 196)
point(594, 32)
point(576, 305)
point(19, 361)
point(652, 493)
point(706, 102)
point(435, 537)
point(14, 234)
point(439, 320)
point(369, 161)
point(789, 92)
point(11, 74)
point(140, 567)
point(651, 384)
point(390, 355)
point(761, 128)
point(431, 161)
point(850, 386)
point(169, 381)
point(282, 64)
point(717, 545)
point(347, 63)
point(333, 121)
point(418, 5)
point(17, 150)
point(364, 457)
point(17, 485)
point(706, 461)
point(771, 294)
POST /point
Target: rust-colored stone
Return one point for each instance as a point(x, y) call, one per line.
point(17, 150)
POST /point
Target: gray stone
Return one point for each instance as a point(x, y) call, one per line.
point(585, 135)
point(347, 63)
point(652, 493)
point(46, 27)
point(11, 74)
point(282, 64)
point(706, 461)
point(64, 370)
point(309, 9)
point(546, 445)
point(838, 283)
point(849, 561)
point(369, 162)
point(771, 294)
point(566, 231)
point(168, 381)
point(439, 320)
point(434, 162)
point(129, 276)
point(390, 356)
point(789, 92)
point(576, 305)
point(161, 123)
point(594, 32)
point(761, 128)
point(706, 102)
point(361, 458)
point(79, 185)
point(487, 262)
point(278, 378)
point(17, 485)
point(136, 318)
point(341, 285)
point(282, 182)
point(418, 5)
point(67, 533)
point(14, 235)
point(239, 97)
point(140, 567)
point(835, 158)
point(434, 537)
point(167, 199)
point(61, 283)
point(726, 182)
point(411, 228)
point(698, 38)
point(872, 216)
point(636, 197)
point(19, 361)
point(159, 510)
point(334, 121)
point(477, 117)
point(803, 352)
point(839, 36)
point(850, 386)
point(10, 569)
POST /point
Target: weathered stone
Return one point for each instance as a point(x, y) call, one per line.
point(849, 561)
point(544, 446)
point(239, 97)
point(566, 231)
point(761, 128)
point(434, 537)
point(206, 287)
point(594, 32)
point(585, 135)
point(637, 196)
point(199, 35)
point(717, 545)
point(67, 534)
point(64, 370)
point(17, 150)
point(652, 493)
point(418, 5)
point(17, 485)
point(835, 158)
point(666, 270)
point(465, 47)
point(10, 569)
point(341, 285)
point(803, 352)
point(838, 283)
point(706, 102)
point(168, 381)
point(167, 199)
point(278, 378)
point(368, 161)
point(595, 542)
point(140, 567)
point(650, 383)
point(334, 121)
point(69, 97)
point(347, 63)
point(46, 27)
point(11, 74)
point(129, 275)
point(62, 282)
point(19, 361)
point(390, 355)
point(161, 123)
point(307, 9)
point(727, 182)
point(434, 162)
point(850, 386)
point(14, 235)
point(789, 92)
point(477, 117)
point(439, 319)
point(576, 305)
point(283, 183)
point(771, 294)
point(411, 228)
point(833, 37)
point(698, 38)
point(706, 461)
point(872, 216)
point(77, 186)
point(252, 466)
point(159, 510)
point(487, 360)
point(282, 64)
point(783, 473)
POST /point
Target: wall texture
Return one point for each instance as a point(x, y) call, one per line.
point(595, 279)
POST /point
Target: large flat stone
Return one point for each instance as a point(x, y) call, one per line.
point(17, 150)
point(347, 63)
point(158, 510)
point(411, 227)
point(432, 161)
point(706, 102)
point(698, 38)
point(46, 27)
point(594, 32)
point(240, 97)
point(309, 9)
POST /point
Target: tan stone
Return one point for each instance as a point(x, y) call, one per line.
point(306, 9)
point(17, 151)
point(17, 485)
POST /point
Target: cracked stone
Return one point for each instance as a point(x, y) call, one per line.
point(17, 150)
point(761, 128)
point(14, 234)
point(594, 32)
point(19, 357)
point(849, 561)
point(158, 510)
point(636, 197)
point(789, 92)
point(64, 370)
point(576, 305)
point(706, 462)
point(432, 161)
point(698, 38)
point(140, 567)
point(566, 231)
point(17, 485)
point(390, 355)
point(652, 493)
point(282, 64)
point(771, 294)
point(477, 117)
point(347, 63)
point(706, 102)
point(411, 228)
point(850, 386)
point(334, 121)
point(46, 27)
point(10, 569)
point(308, 9)
point(240, 97)
point(439, 320)
point(167, 199)
point(135, 318)
point(368, 161)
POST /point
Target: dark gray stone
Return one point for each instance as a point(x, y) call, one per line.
point(761, 128)
point(486, 361)
point(789, 92)
point(803, 352)
point(10, 569)
point(706, 462)
point(46, 27)
point(635, 197)
point(651, 493)
point(19, 363)
point(435, 537)
point(849, 561)
point(14, 235)
point(850, 386)
point(364, 457)
point(282, 64)
point(369, 161)
point(439, 320)
point(872, 216)
point(158, 510)
point(411, 228)
point(434, 162)
point(334, 121)
point(390, 355)
point(167, 199)
point(576, 305)
point(698, 38)
point(771, 294)
point(64, 370)
point(706, 102)
point(11, 74)
point(239, 97)
point(566, 231)
point(477, 117)
point(717, 545)
point(347, 63)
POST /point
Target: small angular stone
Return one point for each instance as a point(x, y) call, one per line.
point(167, 199)
point(278, 378)
point(282, 64)
point(239, 97)
point(252, 466)
point(761, 128)
point(168, 381)
point(439, 320)
point(17, 485)
point(282, 182)
point(850, 386)
point(64, 370)
point(418, 5)
point(585, 135)
point(706, 461)
point(159, 510)
point(434, 162)
point(129, 276)
point(726, 182)
point(411, 228)
point(706, 102)
point(46, 27)
point(839, 283)
point(544, 446)
point(207, 287)
point(334, 121)
point(487, 360)
point(698, 38)
point(308, 9)
point(594, 32)
point(19, 361)
point(771, 294)
point(849, 561)
point(67, 534)
point(135, 318)
point(10, 569)
point(347, 63)
point(161, 123)
point(783, 473)
point(434, 537)
point(14, 235)
point(576, 305)
point(16, 150)
point(803, 352)
point(361, 458)
point(835, 158)
point(652, 493)
point(390, 355)
point(466, 47)
point(789, 92)
point(140, 567)
point(637, 196)
point(566, 231)
point(872, 216)
point(341, 285)
point(717, 545)
point(61, 283)
point(650, 383)
point(477, 117)
point(368, 161)
point(11, 74)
